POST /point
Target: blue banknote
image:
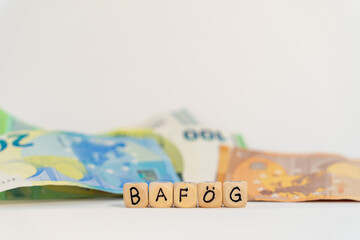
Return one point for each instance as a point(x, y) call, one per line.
point(42, 158)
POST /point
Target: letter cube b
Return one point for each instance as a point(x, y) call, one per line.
point(210, 194)
point(235, 194)
point(161, 194)
point(136, 195)
point(185, 195)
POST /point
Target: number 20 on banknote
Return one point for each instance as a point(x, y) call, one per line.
point(15, 140)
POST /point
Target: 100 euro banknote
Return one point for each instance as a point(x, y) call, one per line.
point(43, 158)
point(291, 177)
point(192, 147)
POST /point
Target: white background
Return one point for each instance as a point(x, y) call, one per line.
point(284, 73)
point(109, 219)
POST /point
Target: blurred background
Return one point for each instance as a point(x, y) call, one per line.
point(285, 74)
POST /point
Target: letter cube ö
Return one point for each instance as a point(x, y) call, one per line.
point(136, 195)
point(235, 194)
point(209, 194)
point(161, 194)
point(185, 195)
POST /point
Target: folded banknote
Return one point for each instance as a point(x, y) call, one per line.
point(192, 147)
point(291, 177)
point(38, 158)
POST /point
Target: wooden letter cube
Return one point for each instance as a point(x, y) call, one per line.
point(161, 194)
point(136, 195)
point(235, 194)
point(185, 195)
point(209, 194)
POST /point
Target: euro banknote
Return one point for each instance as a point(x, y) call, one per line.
point(9, 123)
point(170, 120)
point(57, 192)
point(47, 158)
point(192, 146)
point(291, 177)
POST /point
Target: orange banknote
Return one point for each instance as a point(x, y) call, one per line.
point(291, 177)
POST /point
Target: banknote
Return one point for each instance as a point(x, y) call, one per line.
point(169, 148)
point(10, 123)
point(192, 146)
point(46, 158)
point(48, 192)
point(291, 177)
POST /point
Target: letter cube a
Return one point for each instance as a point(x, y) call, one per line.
point(210, 194)
point(161, 194)
point(235, 194)
point(185, 195)
point(136, 195)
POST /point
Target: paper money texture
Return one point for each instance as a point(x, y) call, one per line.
point(291, 177)
point(38, 158)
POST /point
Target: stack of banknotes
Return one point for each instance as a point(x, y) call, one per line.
point(41, 164)
point(36, 163)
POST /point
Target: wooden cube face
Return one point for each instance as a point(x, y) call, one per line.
point(235, 194)
point(136, 195)
point(161, 194)
point(185, 195)
point(209, 194)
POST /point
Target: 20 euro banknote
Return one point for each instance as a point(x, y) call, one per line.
point(38, 158)
point(291, 177)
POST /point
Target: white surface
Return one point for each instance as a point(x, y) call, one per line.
point(284, 73)
point(109, 219)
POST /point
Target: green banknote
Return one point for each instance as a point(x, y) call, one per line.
point(100, 163)
point(9, 123)
point(53, 192)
